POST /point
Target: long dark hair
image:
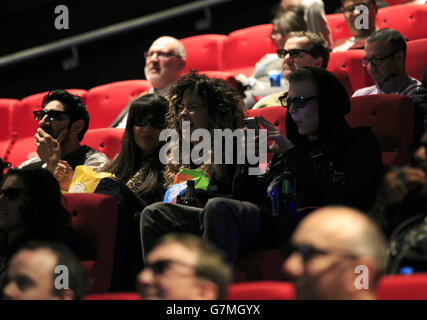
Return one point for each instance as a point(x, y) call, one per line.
point(131, 158)
point(44, 215)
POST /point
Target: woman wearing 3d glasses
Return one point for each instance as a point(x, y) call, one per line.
point(137, 164)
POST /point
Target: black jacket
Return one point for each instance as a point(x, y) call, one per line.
point(344, 166)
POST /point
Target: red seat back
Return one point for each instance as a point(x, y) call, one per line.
point(105, 102)
point(403, 287)
point(276, 115)
point(114, 296)
point(203, 52)
point(392, 119)
point(226, 76)
point(416, 58)
point(394, 2)
point(262, 290)
point(408, 19)
point(245, 47)
point(350, 62)
point(94, 222)
point(105, 140)
point(338, 26)
point(6, 138)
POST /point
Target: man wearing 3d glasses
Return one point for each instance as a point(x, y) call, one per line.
point(302, 48)
point(63, 121)
point(336, 253)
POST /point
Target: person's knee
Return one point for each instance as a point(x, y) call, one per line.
point(147, 215)
point(217, 209)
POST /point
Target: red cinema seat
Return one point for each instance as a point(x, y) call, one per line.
point(349, 62)
point(226, 76)
point(105, 140)
point(245, 47)
point(416, 58)
point(113, 296)
point(6, 137)
point(105, 102)
point(338, 26)
point(94, 222)
point(262, 290)
point(24, 126)
point(392, 119)
point(409, 19)
point(394, 2)
point(403, 287)
point(203, 52)
point(276, 115)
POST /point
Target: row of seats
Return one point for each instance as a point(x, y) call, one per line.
point(392, 287)
point(395, 2)
point(95, 221)
point(409, 19)
point(391, 118)
point(241, 49)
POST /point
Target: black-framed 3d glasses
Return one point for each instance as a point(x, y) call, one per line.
point(160, 54)
point(376, 61)
point(308, 252)
point(153, 122)
point(293, 53)
point(52, 115)
point(298, 102)
point(160, 266)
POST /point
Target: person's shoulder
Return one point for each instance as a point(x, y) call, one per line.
point(92, 153)
point(364, 91)
point(269, 101)
point(30, 161)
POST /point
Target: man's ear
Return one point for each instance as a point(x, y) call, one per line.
point(77, 126)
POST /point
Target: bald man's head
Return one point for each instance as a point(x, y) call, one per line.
point(340, 239)
point(165, 61)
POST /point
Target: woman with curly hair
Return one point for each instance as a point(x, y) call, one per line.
point(206, 103)
point(203, 103)
point(30, 208)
